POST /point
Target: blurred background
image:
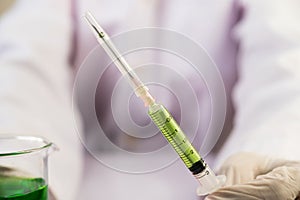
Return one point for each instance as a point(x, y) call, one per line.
point(5, 4)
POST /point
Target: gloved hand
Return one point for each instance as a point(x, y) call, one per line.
point(251, 176)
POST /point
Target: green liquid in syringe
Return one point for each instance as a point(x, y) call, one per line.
point(175, 136)
point(20, 188)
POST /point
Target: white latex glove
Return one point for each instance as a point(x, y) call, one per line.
point(252, 176)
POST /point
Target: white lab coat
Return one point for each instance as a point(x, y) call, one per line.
point(36, 83)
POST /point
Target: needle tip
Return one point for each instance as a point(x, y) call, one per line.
point(90, 19)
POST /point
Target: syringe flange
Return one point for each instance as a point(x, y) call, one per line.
point(209, 182)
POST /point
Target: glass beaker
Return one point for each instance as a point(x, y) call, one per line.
point(24, 167)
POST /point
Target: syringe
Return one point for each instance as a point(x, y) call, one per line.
point(209, 182)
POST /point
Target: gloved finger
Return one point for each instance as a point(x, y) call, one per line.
point(245, 192)
point(281, 183)
point(284, 181)
point(235, 175)
point(242, 167)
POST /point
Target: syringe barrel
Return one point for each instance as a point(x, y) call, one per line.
point(176, 137)
point(209, 182)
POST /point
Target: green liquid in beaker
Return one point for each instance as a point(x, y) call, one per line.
point(20, 188)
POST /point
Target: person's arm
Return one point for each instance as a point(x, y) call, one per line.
point(36, 84)
point(266, 98)
point(267, 95)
